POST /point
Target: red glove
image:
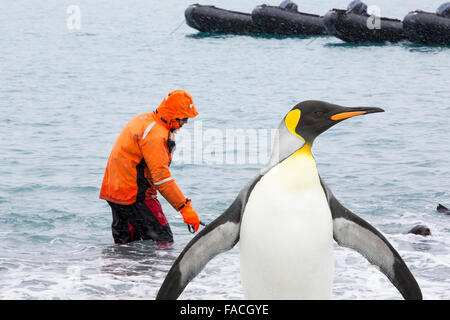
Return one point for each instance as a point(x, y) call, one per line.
point(189, 215)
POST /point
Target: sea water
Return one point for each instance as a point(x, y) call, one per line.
point(72, 73)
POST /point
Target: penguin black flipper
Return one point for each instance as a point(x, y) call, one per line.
point(219, 236)
point(353, 232)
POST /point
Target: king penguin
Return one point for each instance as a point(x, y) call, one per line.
point(286, 218)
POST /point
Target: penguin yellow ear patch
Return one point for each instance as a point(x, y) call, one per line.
point(292, 120)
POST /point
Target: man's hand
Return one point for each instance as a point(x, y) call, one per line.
point(190, 216)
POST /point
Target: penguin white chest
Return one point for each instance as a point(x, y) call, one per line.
point(286, 238)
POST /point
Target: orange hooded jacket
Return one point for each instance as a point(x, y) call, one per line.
point(140, 159)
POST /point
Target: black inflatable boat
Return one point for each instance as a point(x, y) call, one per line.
point(217, 20)
point(286, 21)
point(427, 27)
point(356, 25)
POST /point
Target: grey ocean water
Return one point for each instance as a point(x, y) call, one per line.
point(66, 94)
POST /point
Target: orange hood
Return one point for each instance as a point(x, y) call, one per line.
point(177, 105)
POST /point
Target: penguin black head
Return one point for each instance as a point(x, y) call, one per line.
point(305, 122)
point(310, 118)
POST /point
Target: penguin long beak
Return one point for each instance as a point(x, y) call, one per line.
point(353, 112)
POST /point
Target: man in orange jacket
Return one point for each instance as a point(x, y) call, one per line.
point(139, 166)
